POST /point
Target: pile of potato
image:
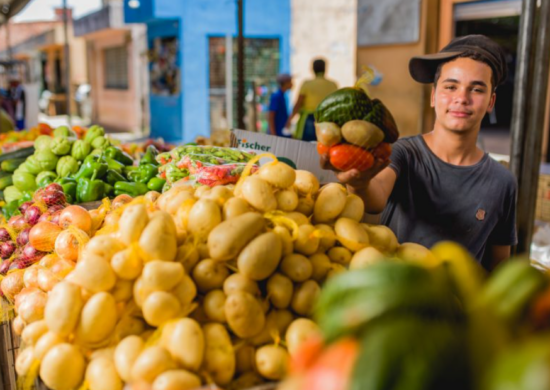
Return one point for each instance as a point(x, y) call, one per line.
point(205, 285)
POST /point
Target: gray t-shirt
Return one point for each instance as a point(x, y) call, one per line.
point(434, 201)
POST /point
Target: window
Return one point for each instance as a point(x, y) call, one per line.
point(116, 67)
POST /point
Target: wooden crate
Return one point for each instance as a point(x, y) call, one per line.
point(9, 343)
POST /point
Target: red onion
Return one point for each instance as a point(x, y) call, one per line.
point(7, 249)
point(55, 217)
point(4, 235)
point(25, 206)
point(57, 207)
point(32, 215)
point(54, 187)
point(31, 254)
point(23, 237)
point(19, 264)
point(5, 267)
point(53, 198)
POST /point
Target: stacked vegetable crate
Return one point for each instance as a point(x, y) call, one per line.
point(10, 345)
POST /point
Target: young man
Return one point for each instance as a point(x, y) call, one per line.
point(439, 185)
point(311, 94)
point(278, 112)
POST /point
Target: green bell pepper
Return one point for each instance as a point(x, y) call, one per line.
point(118, 155)
point(69, 185)
point(113, 176)
point(132, 189)
point(92, 165)
point(129, 168)
point(109, 189)
point(156, 184)
point(150, 156)
point(144, 173)
point(45, 178)
point(114, 164)
point(89, 190)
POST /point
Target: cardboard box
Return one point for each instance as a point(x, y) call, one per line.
point(301, 154)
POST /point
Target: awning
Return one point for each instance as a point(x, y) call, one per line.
point(10, 8)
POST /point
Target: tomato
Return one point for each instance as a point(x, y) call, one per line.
point(345, 157)
point(333, 369)
point(307, 354)
point(382, 151)
point(322, 149)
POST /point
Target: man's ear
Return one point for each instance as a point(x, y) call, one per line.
point(492, 102)
point(432, 98)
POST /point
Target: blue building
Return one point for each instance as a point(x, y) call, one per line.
point(187, 58)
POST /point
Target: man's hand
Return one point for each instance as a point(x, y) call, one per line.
point(355, 178)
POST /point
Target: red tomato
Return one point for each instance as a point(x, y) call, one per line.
point(322, 149)
point(333, 369)
point(382, 151)
point(307, 354)
point(345, 157)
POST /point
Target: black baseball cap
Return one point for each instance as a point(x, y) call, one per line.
point(423, 68)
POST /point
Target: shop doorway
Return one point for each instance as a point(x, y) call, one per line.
point(499, 20)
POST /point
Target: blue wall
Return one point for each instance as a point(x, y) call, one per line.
point(200, 19)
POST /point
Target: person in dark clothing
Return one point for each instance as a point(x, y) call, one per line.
point(440, 185)
point(278, 110)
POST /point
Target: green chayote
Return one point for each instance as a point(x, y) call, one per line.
point(43, 142)
point(12, 193)
point(94, 132)
point(46, 159)
point(66, 166)
point(61, 146)
point(32, 165)
point(64, 132)
point(81, 149)
point(45, 178)
point(100, 143)
point(24, 181)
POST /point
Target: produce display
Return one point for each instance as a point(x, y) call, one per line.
point(436, 321)
point(198, 285)
point(353, 130)
point(207, 165)
point(15, 140)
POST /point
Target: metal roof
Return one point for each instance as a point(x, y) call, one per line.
point(10, 8)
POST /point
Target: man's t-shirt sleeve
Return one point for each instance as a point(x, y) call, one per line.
point(504, 232)
point(274, 103)
point(399, 157)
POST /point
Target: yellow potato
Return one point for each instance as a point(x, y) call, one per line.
point(351, 234)
point(203, 217)
point(260, 258)
point(335, 270)
point(185, 291)
point(150, 363)
point(366, 257)
point(244, 314)
point(94, 273)
point(34, 331)
point(280, 290)
point(340, 255)
point(162, 275)
point(126, 353)
point(276, 324)
point(416, 253)
point(287, 200)
point(24, 360)
point(140, 292)
point(158, 239)
point(219, 356)
point(160, 307)
point(127, 264)
point(259, 194)
point(171, 200)
point(305, 297)
point(101, 374)
point(382, 238)
point(286, 239)
point(182, 216)
point(297, 217)
point(305, 205)
point(235, 207)
point(306, 183)
point(297, 267)
point(239, 282)
point(188, 256)
point(177, 380)
point(219, 194)
point(327, 236)
point(227, 239)
point(128, 326)
point(97, 320)
point(308, 241)
point(46, 342)
point(123, 290)
point(330, 203)
point(278, 174)
point(204, 252)
point(272, 361)
point(184, 339)
point(299, 331)
point(362, 133)
point(321, 265)
point(354, 208)
point(209, 275)
point(213, 304)
point(245, 357)
point(62, 367)
point(63, 308)
point(132, 222)
point(103, 246)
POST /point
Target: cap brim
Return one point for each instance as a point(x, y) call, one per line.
point(423, 68)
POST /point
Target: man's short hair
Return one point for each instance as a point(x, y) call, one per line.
point(319, 66)
point(474, 56)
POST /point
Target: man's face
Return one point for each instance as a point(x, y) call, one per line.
point(463, 95)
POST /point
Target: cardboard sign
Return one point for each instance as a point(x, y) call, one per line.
point(298, 154)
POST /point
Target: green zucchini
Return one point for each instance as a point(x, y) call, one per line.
point(6, 181)
point(12, 164)
point(21, 153)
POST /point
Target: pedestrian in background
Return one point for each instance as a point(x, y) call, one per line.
point(17, 95)
point(311, 94)
point(278, 111)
